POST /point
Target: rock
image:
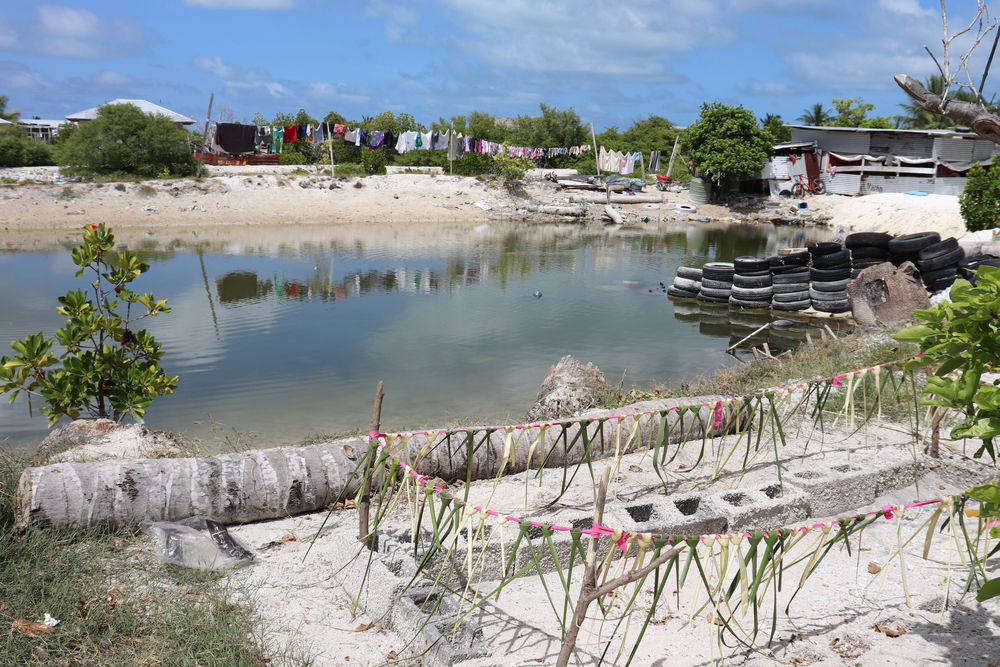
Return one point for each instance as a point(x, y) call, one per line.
point(94, 440)
point(883, 295)
point(569, 387)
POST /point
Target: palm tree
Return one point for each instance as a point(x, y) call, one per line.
point(11, 116)
point(918, 118)
point(817, 115)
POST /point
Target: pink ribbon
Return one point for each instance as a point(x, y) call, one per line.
point(888, 511)
point(718, 414)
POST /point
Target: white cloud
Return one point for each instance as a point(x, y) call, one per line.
point(68, 32)
point(767, 88)
point(242, 4)
point(338, 93)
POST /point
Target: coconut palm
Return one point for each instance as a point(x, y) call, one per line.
point(11, 116)
point(817, 115)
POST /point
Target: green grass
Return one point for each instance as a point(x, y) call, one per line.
point(115, 603)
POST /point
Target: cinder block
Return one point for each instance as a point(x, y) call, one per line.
point(769, 506)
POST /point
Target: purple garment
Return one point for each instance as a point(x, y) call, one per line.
point(378, 138)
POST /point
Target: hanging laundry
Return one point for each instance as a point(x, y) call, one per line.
point(263, 138)
point(291, 134)
point(377, 139)
point(321, 132)
point(277, 138)
point(235, 138)
point(339, 130)
point(654, 162)
point(351, 136)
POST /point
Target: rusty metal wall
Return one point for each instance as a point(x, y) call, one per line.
point(835, 141)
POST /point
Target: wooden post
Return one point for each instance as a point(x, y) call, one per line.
point(830, 331)
point(596, 155)
point(366, 496)
point(935, 432)
point(208, 119)
point(642, 165)
point(809, 339)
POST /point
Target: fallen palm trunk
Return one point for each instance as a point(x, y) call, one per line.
point(573, 211)
point(615, 199)
point(272, 483)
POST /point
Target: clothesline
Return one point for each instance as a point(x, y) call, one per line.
point(236, 138)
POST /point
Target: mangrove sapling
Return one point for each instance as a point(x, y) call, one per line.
point(106, 368)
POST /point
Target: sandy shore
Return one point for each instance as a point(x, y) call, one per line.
point(269, 195)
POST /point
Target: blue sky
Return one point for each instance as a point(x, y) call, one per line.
point(611, 61)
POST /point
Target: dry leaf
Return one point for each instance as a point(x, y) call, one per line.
point(287, 537)
point(116, 597)
point(349, 504)
point(393, 656)
point(42, 655)
point(890, 632)
point(836, 640)
point(363, 627)
point(711, 619)
point(31, 628)
point(797, 661)
point(873, 568)
point(941, 486)
point(348, 450)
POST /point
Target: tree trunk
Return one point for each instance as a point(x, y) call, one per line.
point(975, 116)
point(274, 483)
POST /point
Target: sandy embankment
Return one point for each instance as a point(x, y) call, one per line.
point(269, 195)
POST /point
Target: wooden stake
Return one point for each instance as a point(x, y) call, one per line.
point(750, 336)
point(935, 432)
point(366, 496)
point(596, 156)
point(208, 119)
point(767, 350)
point(830, 331)
point(589, 591)
point(822, 335)
point(756, 354)
point(809, 339)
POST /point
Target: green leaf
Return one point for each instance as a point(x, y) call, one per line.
point(987, 493)
point(990, 589)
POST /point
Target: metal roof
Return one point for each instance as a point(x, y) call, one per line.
point(146, 107)
point(934, 133)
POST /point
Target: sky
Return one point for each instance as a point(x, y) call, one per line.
point(613, 62)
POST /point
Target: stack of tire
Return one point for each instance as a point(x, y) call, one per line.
point(867, 249)
point(939, 264)
point(751, 283)
point(716, 282)
point(790, 282)
point(907, 248)
point(687, 283)
point(830, 274)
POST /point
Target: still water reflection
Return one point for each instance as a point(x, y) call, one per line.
point(284, 331)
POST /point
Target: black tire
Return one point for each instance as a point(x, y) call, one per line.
point(832, 285)
point(797, 190)
point(913, 242)
point(791, 259)
point(685, 284)
point(820, 188)
point(865, 263)
point(830, 260)
point(869, 252)
point(939, 249)
point(712, 299)
point(748, 263)
point(931, 276)
point(782, 324)
point(714, 293)
point(832, 306)
point(752, 294)
point(823, 248)
point(817, 295)
point(943, 283)
point(740, 303)
point(791, 287)
point(791, 297)
point(967, 268)
point(791, 278)
point(762, 272)
point(780, 270)
point(899, 260)
point(867, 239)
point(718, 271)
point(792, 307)
point(951, 258)
point(740, 280)
point(716, 284)
point(681, 293)
point(689, 273)
point(829, 275)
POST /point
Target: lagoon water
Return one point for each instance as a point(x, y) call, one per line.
point(282, 332)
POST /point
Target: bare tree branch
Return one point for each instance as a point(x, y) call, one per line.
point(975, 116)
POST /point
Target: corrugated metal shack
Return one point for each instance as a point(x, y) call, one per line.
point(853, 161)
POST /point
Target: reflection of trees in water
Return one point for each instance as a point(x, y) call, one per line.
point(514, 254)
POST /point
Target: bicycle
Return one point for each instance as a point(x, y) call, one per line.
point(810, 185)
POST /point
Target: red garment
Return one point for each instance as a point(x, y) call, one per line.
point(291, 134)
point(339, 130)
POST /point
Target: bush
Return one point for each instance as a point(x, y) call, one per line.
point(292, 158)
point(107, 369)
point(124, 139)
point(727, 141)
point(18, 150)
point(980, 201)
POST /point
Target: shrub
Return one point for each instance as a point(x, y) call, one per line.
point(980, 201)
point(124, 139)
point(107, 370)
point(18, 150)
point(727, 141)
point(292, 158)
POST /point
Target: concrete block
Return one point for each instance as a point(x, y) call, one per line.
point(768, 506)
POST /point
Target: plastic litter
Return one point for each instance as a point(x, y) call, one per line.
point(197, 542)
point(917, 193)
point(49, 621)
point(483, 205)
point(803, 205)
point(150, 209)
